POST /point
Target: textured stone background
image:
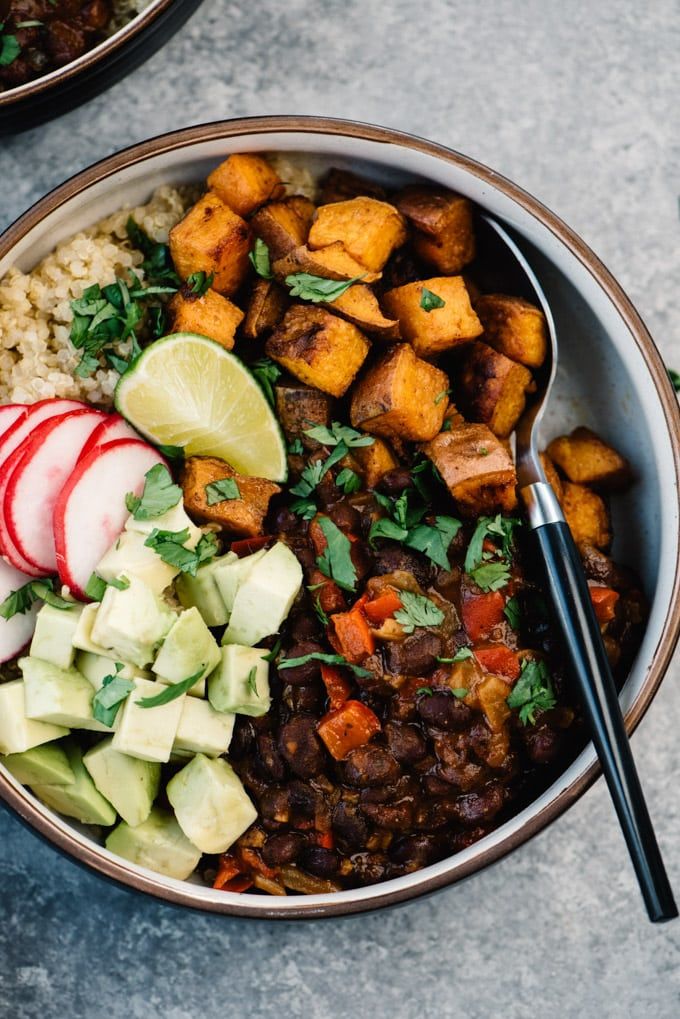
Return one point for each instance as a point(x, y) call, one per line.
point(578, 102)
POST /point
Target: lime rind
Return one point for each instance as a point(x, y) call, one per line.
point(186, 390)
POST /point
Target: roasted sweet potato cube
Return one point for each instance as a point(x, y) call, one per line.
point(551, 475)
point(359, 305)
point(339, 185)
point(514, 327)
point(444, 235)
point(242, 516)
point(368, 229)
point(435, 330)
point(587, 515)
point(213, 239)
point(298, 408)
point(284, 225)
point(491, 388)
point(585, 458)
point(331, 263)
point(400, 396)
point(267, 306)
point(245, 182)
point(318, 348)
point(476, 468)
point(210, 315)
point(374, 461)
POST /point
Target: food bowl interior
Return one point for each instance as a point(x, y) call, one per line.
point(605, 381)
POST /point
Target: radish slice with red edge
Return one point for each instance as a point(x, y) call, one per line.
point(15, 633)
point(90, 512)
point(10, 414)
point(112, 427)
point(36, 413)
point(49, 456)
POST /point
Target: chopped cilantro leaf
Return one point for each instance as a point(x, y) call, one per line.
point(533, 692)
point(260, 259)
point(417, 610)
point(221, 491)
point(316, 288)
point(159, 495)
point(336, 561)
point(338, 433)
point(171, 692)
point(108, 700)
point(318, 656)
point(430, 301)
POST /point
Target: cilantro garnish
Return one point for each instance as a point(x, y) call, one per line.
point(221, 491)
point(20, 601)
point(675, 379)
point(404, 524)
point(198, 283)
point(9, 48)
point(107, 701)
point(336, 561)
point(461, 655)
point(157, 264)
point(533, 692)
point(513, 613)
point(160, 494)
point(491, 570)
point(171, 692)
point(295, 448)
point(120, 583)
point(348, 480)
point(96, 588)
point(251, 682)
point(338, 433)
point(317, 289)
point(430, 301)
point(171, 547)
point(260, 259)
point(417, 610)
point(266, 373)
point(318, 656)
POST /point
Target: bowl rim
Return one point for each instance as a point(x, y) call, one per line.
point(107, 48)
point(180, 893)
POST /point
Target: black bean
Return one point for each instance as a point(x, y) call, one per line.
point(392, 557)
point(346, 517)
point(349, 826)
point(285, 521)
point(275, 804)
point(406, 742)
point(479, 807)
point(395, 481)
point(413, 851)
point(305, 699)
point(414, 656)
point(304, 626)
point(543, 743)
point(371, 766)
point(396, 816)
point(443, 711)
point(368, 868)
point(283, 847)
point(300, 746)
point(270, 756)
point(302, 674)
point(320, 861)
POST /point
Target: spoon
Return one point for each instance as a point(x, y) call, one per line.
point(581, 632)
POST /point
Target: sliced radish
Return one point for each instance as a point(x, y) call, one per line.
point(15, 633)
point(112, 427)
point(90, 512)
point(36, 413)
point(49, 456)
point(10, 414)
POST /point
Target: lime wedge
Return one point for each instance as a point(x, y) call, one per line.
point(186, 390)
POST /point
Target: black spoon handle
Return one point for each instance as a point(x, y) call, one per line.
point(588, 660)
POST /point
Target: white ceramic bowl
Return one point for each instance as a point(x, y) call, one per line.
point(610, 377)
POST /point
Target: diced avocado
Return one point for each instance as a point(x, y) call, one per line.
point(130, 557)
point(82, 638)
point(54, 633)
point(95, 669)
point(201, 591)
point(230, 575)
point(240, 683)
point(129, 784)
point(132, 623)
point(265, 597)
point(202, 730)
point(18, 732)
point(157, 843)
point(175, 519)
point(210, 804)
point(80, 799)
point(147, 733)
point(188, 648)
point(46, 763)
point(60, 696)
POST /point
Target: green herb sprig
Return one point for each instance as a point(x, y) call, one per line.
point(18, 602)
point(533, 692)
point(317, 289)
point(160, 494)
point(417, 610)
point(171, 692)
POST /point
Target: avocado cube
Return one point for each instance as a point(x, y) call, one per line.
point(200, 591)
point(129, 784)
point(265, 597)
point(60, 696)
point(159, 844)
point(202, 730)
point(95, 669)
point(229, 575)
point(130, 557)
point(82, 638)
point(174, 519)
point(46, 763)
point(147, 733)
point(188, 648)
point(80, 799)
point(132, 623)
point(240, 683)
point(18, 732)
point(211, 806)
point(53, 635)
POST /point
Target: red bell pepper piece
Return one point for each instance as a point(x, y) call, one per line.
point(604, 601)
point(353, 637)
point(500, 660)
point(337, 687)
point(246, 546)
point(481, 612)
point(347, 728)
point(382, 608)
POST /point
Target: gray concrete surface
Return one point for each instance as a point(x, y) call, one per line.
point(578, 102)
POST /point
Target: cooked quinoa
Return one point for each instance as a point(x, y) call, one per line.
point(37, 359)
